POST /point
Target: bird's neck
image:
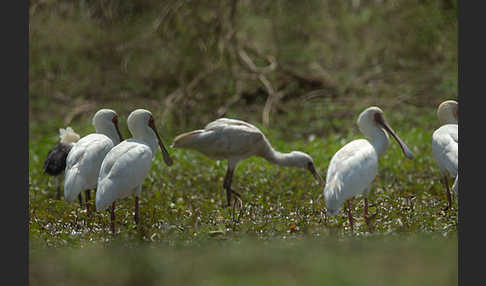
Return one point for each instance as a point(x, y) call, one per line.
point(380, 141)
point(110, 132)
point(276, 157)
point(148, 137)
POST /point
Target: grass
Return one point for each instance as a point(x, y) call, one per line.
point(398, 55)
point(423, 260)
point(182, 205)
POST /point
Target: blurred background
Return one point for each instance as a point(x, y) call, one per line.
point(277, 63)
point(299, 70)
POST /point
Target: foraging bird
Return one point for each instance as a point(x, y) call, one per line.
point(55, 162)
point(355, 165)
point(126, 165)
point(84, 160)
point(445, 141)
point(235, 140)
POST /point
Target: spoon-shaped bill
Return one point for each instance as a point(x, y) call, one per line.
point(405, 149)
point(316, 175)
point(165, 153)
point(115, 122)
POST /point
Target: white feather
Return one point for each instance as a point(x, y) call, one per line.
point(122, 172)
point(68, 135)
point(445, 143)
point(83, 164)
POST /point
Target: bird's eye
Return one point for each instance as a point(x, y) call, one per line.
point(115, 119)
point(378, 117)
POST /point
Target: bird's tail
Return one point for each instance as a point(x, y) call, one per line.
point(68, 135)
point(72, 184)
point(104, 198)
point(331, 196)
point(185, 140)
point(455, 187)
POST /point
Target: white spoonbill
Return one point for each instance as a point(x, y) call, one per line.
point(55, 162)
point(235, 140)
point(126, 165)
point(445, 142)
point(355, 165)
point(84, 160)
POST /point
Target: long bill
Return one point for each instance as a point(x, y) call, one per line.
point(404, 147)
point(316, 175)
point(165, 153)
point(118, 131)
point(115, 122)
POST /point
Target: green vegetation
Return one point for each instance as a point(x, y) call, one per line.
point(318, 64)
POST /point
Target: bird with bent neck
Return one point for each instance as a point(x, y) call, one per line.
point(235, 140)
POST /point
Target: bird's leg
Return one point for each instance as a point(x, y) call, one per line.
point(227, 185)
point(365, 215)
point(113, 218)
point(88, 198)
point(366, 212)
point(136, 210)
point(80, 198)
point(449, 199)
point(350, 215)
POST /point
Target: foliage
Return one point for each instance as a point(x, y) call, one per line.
point(310, 68)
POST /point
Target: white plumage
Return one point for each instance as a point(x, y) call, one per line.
point(235, 140)
point(355, 165)
point(126, 165)
point(445, 143)
point(84, 160)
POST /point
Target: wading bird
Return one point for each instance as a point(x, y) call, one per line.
point(84, 160)
point(235, 140)
point(355, 165)
point(126, 165)
point(55, 162)
point(445, 142)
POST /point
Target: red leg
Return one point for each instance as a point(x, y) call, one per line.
point(366, 212)
point(350, 215)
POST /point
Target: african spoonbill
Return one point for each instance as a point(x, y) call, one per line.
point(235, 140)
point(126, 166)
point(84, 160)
point(355, 165)
point(445, 141)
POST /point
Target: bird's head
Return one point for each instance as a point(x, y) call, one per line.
point(448, 112)
point(371, 119)
point(142, 119)
point(305, 161)
point(105, 121)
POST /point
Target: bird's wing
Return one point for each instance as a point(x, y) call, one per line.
point(445, 148)
point(229, 122)
point(350, 172)
point(223, 138)
point(123, 169)
point(83, 164)
point(55, 162)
